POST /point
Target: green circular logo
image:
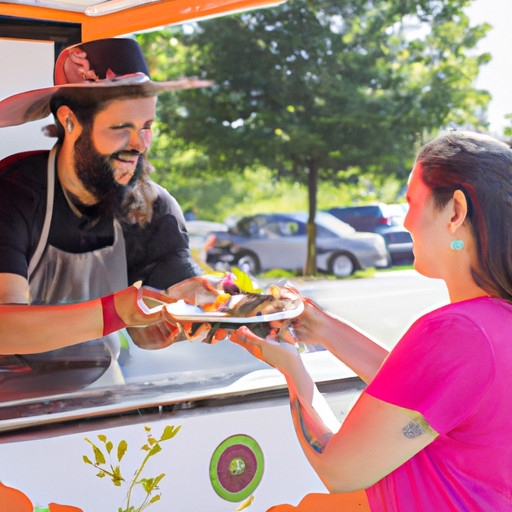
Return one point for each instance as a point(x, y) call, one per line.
point(236, 467)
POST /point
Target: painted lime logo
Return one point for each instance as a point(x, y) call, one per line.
point(236, 467)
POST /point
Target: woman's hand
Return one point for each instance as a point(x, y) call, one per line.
point(280, 354)
point(348, 343)
point(310, 326)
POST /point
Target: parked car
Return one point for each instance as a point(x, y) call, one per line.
point(373, 217)
point(385, 219)
point(198, 231)
point(268, 241)
point(399, 244)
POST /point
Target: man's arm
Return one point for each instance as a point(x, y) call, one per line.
point(159, 256)
point(28, 329)
point(13, 289)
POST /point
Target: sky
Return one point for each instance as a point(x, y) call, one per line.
point(496, 76)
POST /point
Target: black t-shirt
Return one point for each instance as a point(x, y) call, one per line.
point(157, 253)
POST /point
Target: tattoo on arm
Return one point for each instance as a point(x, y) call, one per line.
point(317, 442)
point(412, 430)
point(417, 427)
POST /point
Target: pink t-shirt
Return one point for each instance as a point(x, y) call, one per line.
point(454, 366)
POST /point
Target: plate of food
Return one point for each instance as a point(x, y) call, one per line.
point(233, 308)
point(242, 308)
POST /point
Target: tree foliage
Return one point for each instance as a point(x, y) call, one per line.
point(320, 89)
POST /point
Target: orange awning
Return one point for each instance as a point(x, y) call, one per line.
point(134, 19)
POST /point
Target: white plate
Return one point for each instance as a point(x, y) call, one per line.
point(181, 311)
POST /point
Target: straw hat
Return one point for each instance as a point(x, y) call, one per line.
point(114, 62)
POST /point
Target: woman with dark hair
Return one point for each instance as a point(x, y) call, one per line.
point(432, 429)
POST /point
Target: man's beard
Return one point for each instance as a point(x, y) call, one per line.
point(96, 173)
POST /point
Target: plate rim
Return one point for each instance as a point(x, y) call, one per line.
point(207, 317)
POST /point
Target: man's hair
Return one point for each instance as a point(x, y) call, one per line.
point(86, 103)
point(481, 167)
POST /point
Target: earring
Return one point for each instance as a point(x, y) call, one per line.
point(69, 125)
point(457, 245)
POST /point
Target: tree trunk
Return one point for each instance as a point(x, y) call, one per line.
point(310, 268)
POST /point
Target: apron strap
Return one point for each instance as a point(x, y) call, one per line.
point(49, 210)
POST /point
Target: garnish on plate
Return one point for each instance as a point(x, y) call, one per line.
point(239, 297)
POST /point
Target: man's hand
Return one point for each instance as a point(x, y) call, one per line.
point(142, 306)
point(197, 291)
point(156, 336)
point(149, 330)
point(132, 309)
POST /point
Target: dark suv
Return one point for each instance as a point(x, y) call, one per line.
point(385, 219)
point(373, 218)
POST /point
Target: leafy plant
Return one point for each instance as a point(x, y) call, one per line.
point(113, 469)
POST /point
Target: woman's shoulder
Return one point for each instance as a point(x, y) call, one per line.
point(482, 318)
point(474, 310)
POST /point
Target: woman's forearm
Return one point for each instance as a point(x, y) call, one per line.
point(350, 345)
point(313, 420)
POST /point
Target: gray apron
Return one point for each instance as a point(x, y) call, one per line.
point(58, 277)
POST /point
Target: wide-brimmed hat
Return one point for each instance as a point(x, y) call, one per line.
point(114, 62)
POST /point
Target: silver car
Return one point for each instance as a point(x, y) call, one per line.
point(279, 241)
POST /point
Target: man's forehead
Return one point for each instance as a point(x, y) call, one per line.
point(131, 99)
point(129, 107)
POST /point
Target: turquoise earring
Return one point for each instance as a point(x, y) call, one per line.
point(457, 245)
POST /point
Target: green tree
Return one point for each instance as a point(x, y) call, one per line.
point(323, 89)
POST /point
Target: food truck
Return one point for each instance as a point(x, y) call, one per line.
point(191, 427)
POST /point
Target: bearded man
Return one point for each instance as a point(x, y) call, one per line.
point(84, 221)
